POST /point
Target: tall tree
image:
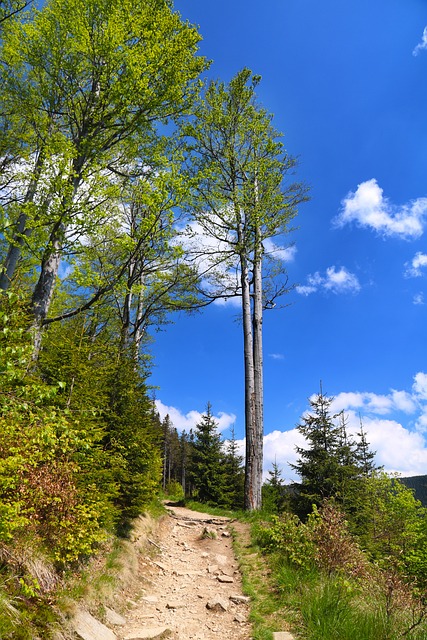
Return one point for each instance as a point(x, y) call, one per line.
point(320, 464)
point(92, 80)
point(234, 475)
point(206, 467)
point(240, 204)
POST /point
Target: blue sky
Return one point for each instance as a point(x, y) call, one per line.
point(347, 83)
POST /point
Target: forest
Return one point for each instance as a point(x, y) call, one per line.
point(117, 161)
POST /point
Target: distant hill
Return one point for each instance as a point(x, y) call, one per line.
point(419, 485)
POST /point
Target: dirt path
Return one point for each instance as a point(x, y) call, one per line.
point(192, 586)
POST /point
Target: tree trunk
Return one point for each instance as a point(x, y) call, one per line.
point(43, 292)
point(250, 420)
point(258, 374)
point(21, 231)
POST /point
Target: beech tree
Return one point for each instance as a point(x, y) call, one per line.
point(240, 204)
point(92, 80)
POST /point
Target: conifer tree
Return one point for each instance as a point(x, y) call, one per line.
point(234, 474)
point(206, 464)
point(320, 464)
point(274, 492)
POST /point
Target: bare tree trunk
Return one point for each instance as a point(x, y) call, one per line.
point(258, 374)
point(250, 420)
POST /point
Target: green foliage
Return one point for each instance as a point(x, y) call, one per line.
point(234, 475)
point(275, 496)
point(290, 537)
point(332, 464)
point(391, 525)
point(206, 467)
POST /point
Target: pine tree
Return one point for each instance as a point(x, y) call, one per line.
point(274, 492)
point(234, 475)
point(364, 456)
point(206, 464)
point(320, 466)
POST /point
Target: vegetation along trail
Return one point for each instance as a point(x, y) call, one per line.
point(193, 585)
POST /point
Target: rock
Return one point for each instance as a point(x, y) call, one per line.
point(240, 599)
point(226, 534)
point(149, 633)
point(221, 560)
point(89, 628)
point(227, 579)
point(282, 635)
point(150, 599)
point(217, 604)
point(161, 566)
point(175, 605)
point(212, 568)
point(114, 618)
point(239, 618)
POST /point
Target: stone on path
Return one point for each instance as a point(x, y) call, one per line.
point(149, 633)
point(175, 605)
point(283, 635)
point(225, 578)
point(114, 618)
point(217, 604)
point(89, 628)
point(240, 599)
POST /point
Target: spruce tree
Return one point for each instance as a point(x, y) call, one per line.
point(206, 464)
point(320, 465)
point(274, 492)
point(234, 475)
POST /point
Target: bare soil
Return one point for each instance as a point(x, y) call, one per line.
point(191, 586)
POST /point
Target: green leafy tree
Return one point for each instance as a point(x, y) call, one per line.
point(206, 463)
point(239, 201)
point(45, 492)
point(92, 81)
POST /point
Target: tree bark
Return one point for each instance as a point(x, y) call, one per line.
point(251, 499)
point(258, 373)
point(21, 230)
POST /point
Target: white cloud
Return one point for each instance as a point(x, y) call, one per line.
point(418, 298)
point(335, 280)
point(368, 208)
point(421, 45)
point(413, 269)
point(185, 422)
point(420, 385)
point(276, 356)
point(375, 403)
point(285, 254)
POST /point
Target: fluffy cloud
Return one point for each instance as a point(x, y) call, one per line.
point(335, 280)
point(421, 45)
point(185, 422)
point(375, 403)
point(368, 208)
point(420, 385)
point(414, 268)
point(418, 298)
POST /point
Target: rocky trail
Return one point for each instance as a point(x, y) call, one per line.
point(190, 587)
